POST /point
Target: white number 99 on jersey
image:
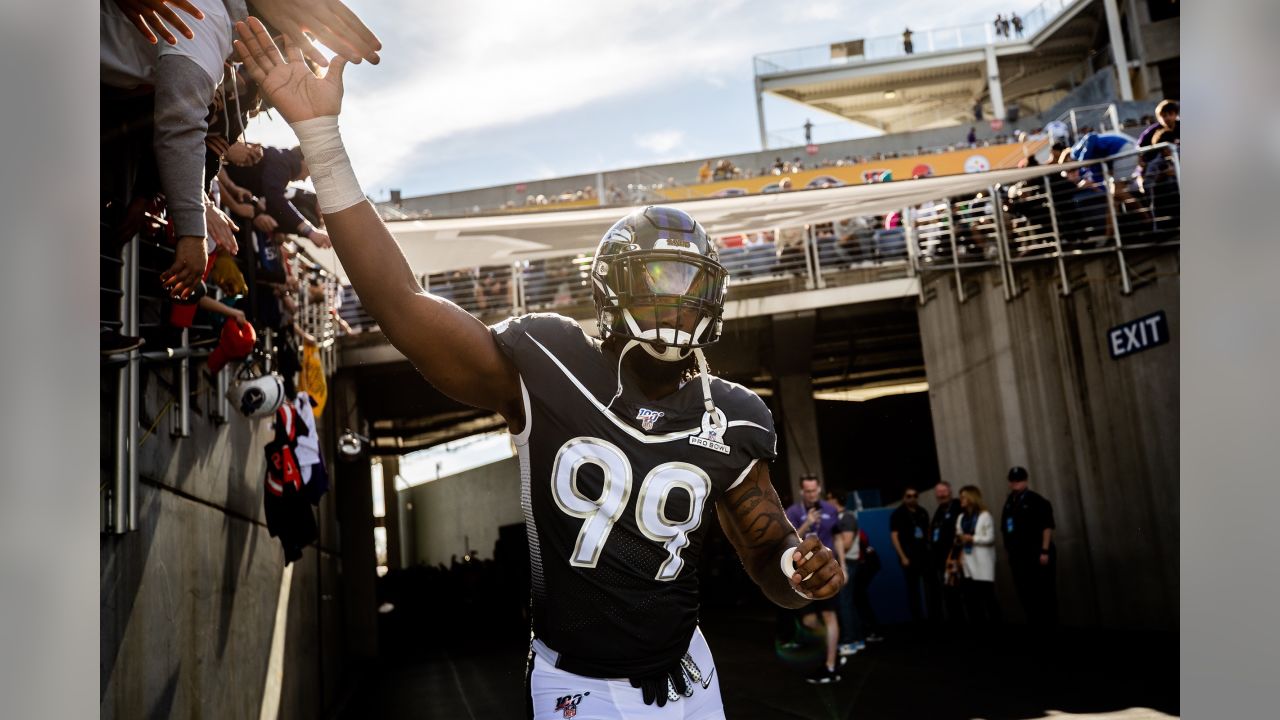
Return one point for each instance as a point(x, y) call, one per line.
point(602, 512)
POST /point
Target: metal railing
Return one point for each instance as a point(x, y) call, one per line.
point(1098, 118)
point(884, 47)
point(1063, 214)
point(1056, 217)
point(119, 494)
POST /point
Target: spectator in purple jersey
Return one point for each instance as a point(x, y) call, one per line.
point(814, 516)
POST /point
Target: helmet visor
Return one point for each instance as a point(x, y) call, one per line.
point(672, 278)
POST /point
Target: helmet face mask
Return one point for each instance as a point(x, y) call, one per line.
point(656, 279)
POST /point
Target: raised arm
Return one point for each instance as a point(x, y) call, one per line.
point(752, 518)
point(453, 350)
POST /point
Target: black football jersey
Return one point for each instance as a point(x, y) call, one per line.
point(617, 497)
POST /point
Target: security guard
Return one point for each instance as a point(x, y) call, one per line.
point(1027, 525)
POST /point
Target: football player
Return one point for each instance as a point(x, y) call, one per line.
point(626, 441)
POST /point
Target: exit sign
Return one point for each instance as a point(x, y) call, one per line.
point(1138, 335)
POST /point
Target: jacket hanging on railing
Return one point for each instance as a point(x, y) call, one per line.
point(287, 509)
point(315, 478)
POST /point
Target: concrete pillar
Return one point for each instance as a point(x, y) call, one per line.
point(353, 491)
point(792, 354)
point(993, 84)
point(764, 136)
point(1118, 52)
point(1140, 47)
point(1031, 382)
point(390, 471)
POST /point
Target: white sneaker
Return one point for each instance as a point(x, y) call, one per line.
point(847, 649)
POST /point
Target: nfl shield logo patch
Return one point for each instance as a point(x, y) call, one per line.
point(648, 417)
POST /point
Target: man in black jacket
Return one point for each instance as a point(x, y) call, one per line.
point(942, 536)
point(268, 180)
point(1027, 525)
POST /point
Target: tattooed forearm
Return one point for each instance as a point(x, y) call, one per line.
point(749, 500)
point(753, 520)
point(766, 528)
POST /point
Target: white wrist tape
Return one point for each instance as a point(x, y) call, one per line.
point(331, 172)
point(789, 568)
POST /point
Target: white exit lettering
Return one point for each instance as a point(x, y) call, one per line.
point(1141, 334)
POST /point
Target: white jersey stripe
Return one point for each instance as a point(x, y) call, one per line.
point(638, 435)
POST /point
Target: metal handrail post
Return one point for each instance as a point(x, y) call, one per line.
point(955, 252)
point(1057, 237)
point(809, 282)
point(517, 289)
point(182, 418)
point(131, 434)
point(115, 516)
point(1125, 286)
point(913, 262)
point(908, 238)
point(1002, 242)
point(819, 281)
point(1177, 169)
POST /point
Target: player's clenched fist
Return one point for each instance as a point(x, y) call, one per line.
point(286, 80)
point(817, 574)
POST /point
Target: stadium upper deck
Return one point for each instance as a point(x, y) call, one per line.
point(925, 100)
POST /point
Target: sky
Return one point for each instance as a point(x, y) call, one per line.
point(486, 92)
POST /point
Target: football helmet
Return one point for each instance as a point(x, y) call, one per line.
point(652, 268)
point(256, 397)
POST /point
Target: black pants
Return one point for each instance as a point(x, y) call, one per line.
point(980, 601)
point(947, 603)
point(918, 577)
point(1037, 588)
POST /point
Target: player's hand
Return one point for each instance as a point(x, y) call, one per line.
point(221, 228)
point(149, 16)
point(242, 154)
point(320, 238)
point(330, 21)
point(654, 688)
point(189, 260)
point(285, 79)
point(820, 576)
point(217, 144)
point(265, 223)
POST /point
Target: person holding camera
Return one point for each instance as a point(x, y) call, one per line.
point(814, 516)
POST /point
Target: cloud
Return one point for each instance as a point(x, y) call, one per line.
point(661, 142)
point(821, 11)
point(459, 73)
point(466, 67)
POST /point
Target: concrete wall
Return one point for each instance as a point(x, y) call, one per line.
point(189, 601)
point(460, 513)
point(1031, 382)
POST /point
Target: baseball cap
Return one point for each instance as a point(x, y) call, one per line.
point(1017, 473)
point(236, 343)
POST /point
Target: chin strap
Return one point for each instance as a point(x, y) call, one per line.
point(705, 376)
point(630, 344)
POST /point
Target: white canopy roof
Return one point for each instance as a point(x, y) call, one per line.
point(452, 243)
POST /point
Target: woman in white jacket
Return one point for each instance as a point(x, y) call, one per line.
point(976, 536)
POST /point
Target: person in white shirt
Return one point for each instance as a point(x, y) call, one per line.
point(976, 536)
